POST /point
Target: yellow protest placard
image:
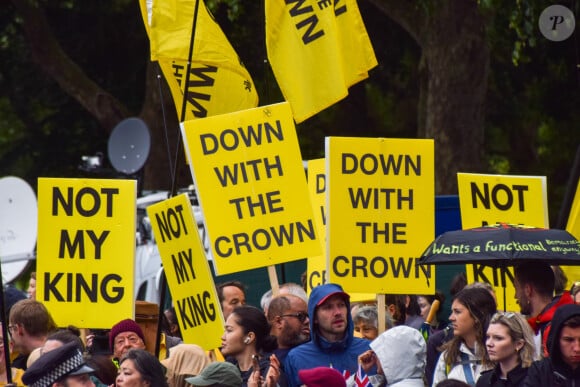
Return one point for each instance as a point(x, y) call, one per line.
point(490, 199)
point(573, 227)
point(252, 188)
point(381, 213)
point(86, 250)
point(188, 275)
point(316, 266)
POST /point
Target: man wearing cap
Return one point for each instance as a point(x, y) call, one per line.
point(332, 341)
point(224, 374)
point(125, 335)
point(61, 367)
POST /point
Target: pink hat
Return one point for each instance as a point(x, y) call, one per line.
point(127, 325)
point(322, 377)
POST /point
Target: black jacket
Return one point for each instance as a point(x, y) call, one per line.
point(553, 371)
point(515, 377)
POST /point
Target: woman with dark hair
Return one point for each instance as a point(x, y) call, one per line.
point(464, 356)
point(510, 345)
point(247, 337)
point(138, 368)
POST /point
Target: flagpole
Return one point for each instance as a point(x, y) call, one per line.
point(184, 100)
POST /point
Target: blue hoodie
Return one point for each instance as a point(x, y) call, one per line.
point(318, 352)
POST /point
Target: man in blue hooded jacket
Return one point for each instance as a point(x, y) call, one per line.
point(332, 343)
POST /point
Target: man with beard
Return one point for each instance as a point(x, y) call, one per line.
point(534, 285)
point(332, 341)
point(288, 316)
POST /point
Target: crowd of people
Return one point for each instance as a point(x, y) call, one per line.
point(294, 339)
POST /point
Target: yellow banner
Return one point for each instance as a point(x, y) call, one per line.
point(86, 250)
point(573, 227)
point(316, 266)
point(381, 213)
point(187, 271)
point(316, 50)
point(218, 81)
point(490, 199)
point(252, 188)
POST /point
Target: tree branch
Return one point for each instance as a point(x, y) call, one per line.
point(49, 55)
point(406, 13)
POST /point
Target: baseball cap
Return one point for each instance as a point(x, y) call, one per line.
point(224, 373)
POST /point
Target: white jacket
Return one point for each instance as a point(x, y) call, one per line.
point(402, 353)
point(456, 371)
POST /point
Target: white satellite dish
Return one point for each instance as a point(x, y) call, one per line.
point(18, 226)
point(129, 145)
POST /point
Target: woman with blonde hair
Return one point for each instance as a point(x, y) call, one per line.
point(510, 344)
point(464, 356)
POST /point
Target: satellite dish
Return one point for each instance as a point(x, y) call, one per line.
point(129, 145)
point(18, 226)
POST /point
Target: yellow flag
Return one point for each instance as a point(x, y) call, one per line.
point(218, 82)
point(317, 50)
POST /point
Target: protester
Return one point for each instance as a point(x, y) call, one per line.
point(61, 367)
point(31, 291)
point(437, 339)
point(29, 325)
point(221, 374)
point(172, 324)
point(60, 337)
point(125, 335)
point(413, 316)
point(464, 356)
point(289, 322)
point(534, 285)
point(560, 280)
point(397, 307)
point(321, 377)
point(139, 368)
point(425, 302)
point(575, 292)
point(510, 345)
point(331, 329)
point(185, 361)
point(231, 294)
point(366, 322)
point(16, 372)
point(398, 355)
point(246, 336)
point(286, 288)
point(562, 366)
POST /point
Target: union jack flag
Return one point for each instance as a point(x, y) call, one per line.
point(361, 379)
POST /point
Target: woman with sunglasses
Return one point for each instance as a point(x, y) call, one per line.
point(464, 356)
point(510, 344)
point(247, 343)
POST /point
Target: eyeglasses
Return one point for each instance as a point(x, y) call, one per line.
point(11, 327)
point(301, 316)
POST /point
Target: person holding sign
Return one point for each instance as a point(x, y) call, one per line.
point(246, 339)
point(464, 356)
point(125, 335)
point(332, 341)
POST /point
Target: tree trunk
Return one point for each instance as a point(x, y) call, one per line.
point(456, 66)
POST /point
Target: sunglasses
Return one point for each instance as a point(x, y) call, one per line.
point(301, 316)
